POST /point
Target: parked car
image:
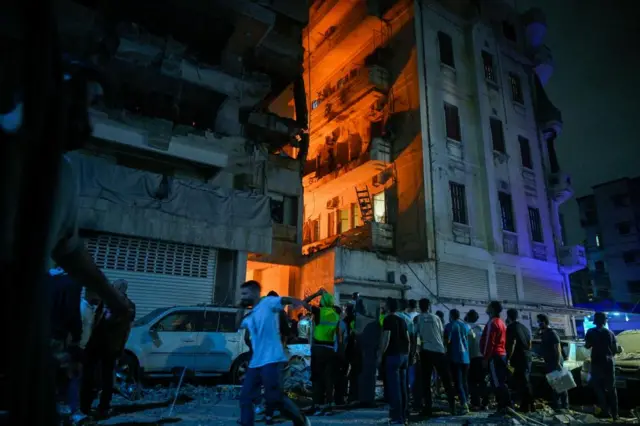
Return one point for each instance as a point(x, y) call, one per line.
point(627, 361)
point(204, 340)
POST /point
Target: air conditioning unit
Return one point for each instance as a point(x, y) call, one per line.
point(333, 203)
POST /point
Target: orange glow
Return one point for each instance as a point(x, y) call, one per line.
point(272, 277)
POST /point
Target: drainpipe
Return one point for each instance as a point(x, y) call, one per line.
point(422, 50)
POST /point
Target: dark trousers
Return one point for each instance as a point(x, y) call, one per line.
point(434, 360)
point(97, 358)
point(460, 374)
point(397, 375)
point(498, 374)
point(354, 360)
point(323, 365)
point(271, 377)
point(522, 383)
point(341, 380)
point(477, 383)
point(603, 379)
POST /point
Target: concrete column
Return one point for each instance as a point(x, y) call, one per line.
point(240, 272)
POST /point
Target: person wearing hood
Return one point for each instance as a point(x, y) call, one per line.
point(323, 354)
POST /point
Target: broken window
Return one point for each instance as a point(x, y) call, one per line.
point(452, 120)
point(445, 43)
point(497, 135)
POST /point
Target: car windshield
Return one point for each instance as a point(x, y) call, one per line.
point(149, 317)
point(630, 341)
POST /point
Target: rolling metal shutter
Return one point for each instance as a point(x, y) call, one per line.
point(462, 282)
point(506, 287)
point(159, 273)
point(543, 291)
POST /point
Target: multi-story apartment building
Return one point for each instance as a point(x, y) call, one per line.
point(431, 169)
point(185, 181)
point(610, 218)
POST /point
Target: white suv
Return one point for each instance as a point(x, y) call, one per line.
point(203, 339)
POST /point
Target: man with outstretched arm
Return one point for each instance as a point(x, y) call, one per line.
point(268, 356)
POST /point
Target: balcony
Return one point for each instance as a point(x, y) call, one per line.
point(572, 258)
point(510, 242)
point(549, 117)
point(535, 26)
point(542, 63)
point(560, 187)
point(326, 174)
point(539, 251)
point(358, 90)
point(372, 236)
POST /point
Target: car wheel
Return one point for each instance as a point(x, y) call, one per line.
point(239, 368)
point(128, 368)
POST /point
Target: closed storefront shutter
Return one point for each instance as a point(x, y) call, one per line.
point(462, 282)
point(159, 273)
point(540, 290)
point(506, 286)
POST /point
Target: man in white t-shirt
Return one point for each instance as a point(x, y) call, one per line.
point(268, 356)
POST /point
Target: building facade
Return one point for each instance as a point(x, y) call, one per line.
point(186, 179)
point(610, 218)
point(431, 169)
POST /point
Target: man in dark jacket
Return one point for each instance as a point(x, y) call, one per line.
point(519, 357)
point(604, 348)
point(553, 356)
point(107, 342)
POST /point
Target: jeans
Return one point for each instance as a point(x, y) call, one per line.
point(460, 376)
point(498, 373)
point(396, 374)
point(438, 361)
point(603, 379)
point(522, 382)
point(271, 377)
point(323, 365)
point(477, 383)
point(558, 400)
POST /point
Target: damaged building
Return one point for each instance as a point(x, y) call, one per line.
point(431, 169)
point(189, 175)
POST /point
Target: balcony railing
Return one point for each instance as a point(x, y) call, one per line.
point(510, 242)
point(372, 236)
point(336, 169)
point(365, 86)
point(560, 187)
point(572, 258)
point(539, 251)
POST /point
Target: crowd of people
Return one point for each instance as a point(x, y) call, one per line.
point(417, 354)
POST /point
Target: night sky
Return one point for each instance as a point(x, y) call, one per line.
point(596, 84)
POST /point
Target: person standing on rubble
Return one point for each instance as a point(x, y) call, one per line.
point(493, 345)
point(458, 350)
point(519, 357)
point(268, 355)
point(604, 348)
point(105, 346)
point(341, 381)
point(323, 355)
point(477, 371)
point(553, 356)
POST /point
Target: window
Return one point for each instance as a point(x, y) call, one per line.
point(599, 265)
point(516, 88)
point(497, 135)
point(624, 228)
point(509, 31)
point(315, 230)
point(458, 203)
point(506, 212)
point(284, 209)
point(452, 120)
point(344, 220)
point(356, 215)
point(221, 322)
point(331, 224)
point(379, 208)
point(445, 43)
point(179, 322)
point(525, 153)
point(629, 256)
point(487, 62)
point(620, 200)
point(536, 225)
point(634, 287)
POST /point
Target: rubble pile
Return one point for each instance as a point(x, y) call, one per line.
point(297, 379)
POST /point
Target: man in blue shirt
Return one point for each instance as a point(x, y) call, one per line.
point(458, 350)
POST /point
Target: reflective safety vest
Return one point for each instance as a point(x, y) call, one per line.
point(325, 330)
point(381, 318)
